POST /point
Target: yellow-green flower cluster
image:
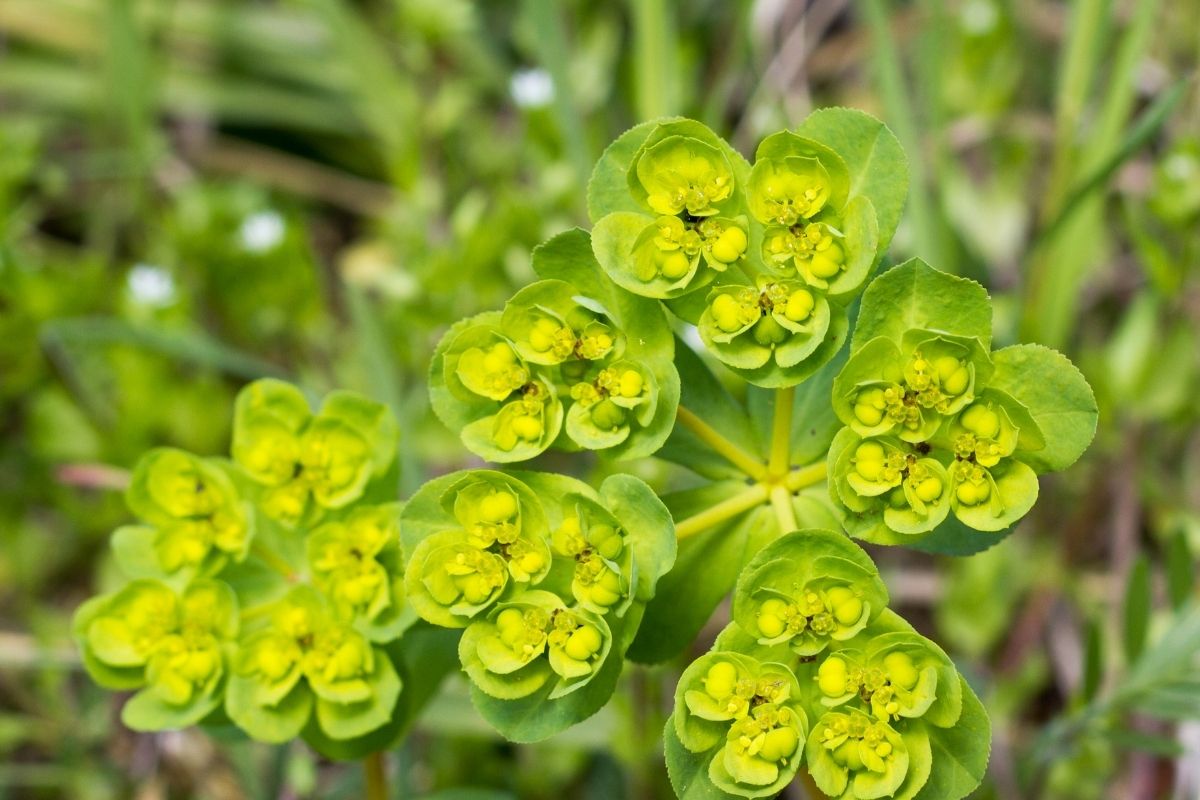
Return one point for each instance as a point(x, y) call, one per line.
point(547, 576)
point(262, 586)
point(553, 364)
point(927, 436)
point(490, 571)
point(813, 641)
point(747, 712)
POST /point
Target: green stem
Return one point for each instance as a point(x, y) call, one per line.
point(722, 511)
point(722, 446)
point(804, 477)
point(273, 560)
point(781, 500)
point(375, 776)
point(781, 432)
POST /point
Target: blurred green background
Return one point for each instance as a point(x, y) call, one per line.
point(194, 193)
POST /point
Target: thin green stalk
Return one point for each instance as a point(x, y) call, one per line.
point(804, 477)
point(655, 50)
point(375, 776)
point(551, 44)
point(273, 560)
point(781, 501)
point(722, 446)
point(725, 510)
point(899, 111)
point(781, 432)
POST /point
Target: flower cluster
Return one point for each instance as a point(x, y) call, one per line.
point(555, 367)
point(934, 425)
point(262, 588)
point(814, 668)
point(542, 572)
point(782, 245)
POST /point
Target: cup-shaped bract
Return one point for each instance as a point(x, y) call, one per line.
point(533, 639)
point(605, 576)
point(809, 589)
point(799, 189)
point(487, 530)
point(302, 662)
point(892, 675)
point(174, 647)
point(680, 218)
point(748, 715)
point(196, 520)
point(937, 424)
point(355, 561)
point(908, 389)
point(890, 482)
point(775, 324)
point(854, 756)
point(307, 464)
point(555, 361)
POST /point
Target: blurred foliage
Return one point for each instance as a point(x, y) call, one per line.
point(197, 192)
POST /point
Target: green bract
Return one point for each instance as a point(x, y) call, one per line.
point(890, 716)
point(356, 563)
point(787, 242)
point(548, 576)
point(674, 217)
point(808, 590)
point(571, 361)
point(196, 520)
point(746, 718)
point(301, 658)
point(531, 640)
point(855, 757)
point(307, 464)
point(936, 425)
point(174, 647)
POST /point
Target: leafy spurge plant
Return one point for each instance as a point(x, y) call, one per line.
point(288, 592)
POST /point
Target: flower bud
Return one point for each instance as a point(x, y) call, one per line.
point(768, 332)
point(981, 421)
point(869, 460)
point(772, 618)
point(631, 384)
point(675, 265)
point(727, 313)
point(721, 679)
point(832, 677)
point(901, 670)
point(583, 643)
point(799, 305)
point(847, 607)
point(730, 245)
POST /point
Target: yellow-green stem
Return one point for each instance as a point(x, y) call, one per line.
point(804, 477)
point(274, 561)
point(781, 432)
point(781, 500)
point(722, 511)
point(375, 776)
point(722, 446)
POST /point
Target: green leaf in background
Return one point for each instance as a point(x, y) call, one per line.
point(1136, 610)
point(877, 163)
point(1056, 395)
point(915, 295)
